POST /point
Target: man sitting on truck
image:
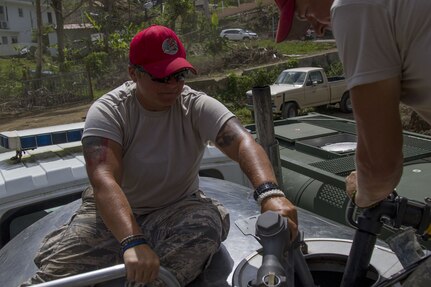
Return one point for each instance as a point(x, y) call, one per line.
point(143, 143)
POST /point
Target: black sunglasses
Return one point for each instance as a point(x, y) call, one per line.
point(178, 76)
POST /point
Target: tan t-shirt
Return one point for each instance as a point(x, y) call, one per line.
point(162, 150)
point(381, 39)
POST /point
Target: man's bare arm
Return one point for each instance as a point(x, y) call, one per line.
point(103, 163)
point(379, 158)
point(104, 168)
point(234, 140)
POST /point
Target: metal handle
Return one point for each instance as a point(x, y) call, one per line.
point(103, 275)
point(281, 258)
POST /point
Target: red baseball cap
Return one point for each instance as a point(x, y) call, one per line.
point(287, 12)
point(159, 51)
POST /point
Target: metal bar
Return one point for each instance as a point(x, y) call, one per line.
point(302, 270)
point(313, 172)
point(265, 128)
point(103, 275)
point(359, 258)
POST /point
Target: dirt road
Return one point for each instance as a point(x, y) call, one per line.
point(44, 118)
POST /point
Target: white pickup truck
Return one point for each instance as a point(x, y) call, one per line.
point(305, 87)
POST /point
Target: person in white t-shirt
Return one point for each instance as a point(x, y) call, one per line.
point(385, 48)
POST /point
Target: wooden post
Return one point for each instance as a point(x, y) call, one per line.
point(265, 128)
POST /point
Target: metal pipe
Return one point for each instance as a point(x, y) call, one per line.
point(103, 275)
point(369, 224)
point(302, 269)
point(359, 259)
point(262, 104)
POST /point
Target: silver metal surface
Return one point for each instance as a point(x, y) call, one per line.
point(17, 256)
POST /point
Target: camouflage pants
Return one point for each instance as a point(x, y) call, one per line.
point(184, 235)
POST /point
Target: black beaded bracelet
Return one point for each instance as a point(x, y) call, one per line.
point(264, 187)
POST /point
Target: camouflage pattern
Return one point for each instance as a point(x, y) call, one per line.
point(185, 235)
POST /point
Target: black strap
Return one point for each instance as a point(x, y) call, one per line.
point(264, 187)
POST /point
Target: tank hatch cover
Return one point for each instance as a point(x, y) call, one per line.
point(297, 131)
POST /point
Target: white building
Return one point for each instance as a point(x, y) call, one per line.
point(18, 22)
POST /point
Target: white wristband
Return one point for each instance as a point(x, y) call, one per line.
point(269, 193)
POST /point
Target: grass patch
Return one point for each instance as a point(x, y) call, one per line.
point(244, 115)
point(13, 68)
point(297, 47)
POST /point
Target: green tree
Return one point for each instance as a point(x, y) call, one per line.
point(214, 44)
point(60, 15)
point(178, 8)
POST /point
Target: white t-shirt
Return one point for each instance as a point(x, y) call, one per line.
point(162, 150)
point(381, 39)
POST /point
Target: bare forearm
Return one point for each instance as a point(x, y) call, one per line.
point(255, 163)
point(240, 146)
point(103, 163)
point(115, 210)
point(378, 174)
point(379, 159)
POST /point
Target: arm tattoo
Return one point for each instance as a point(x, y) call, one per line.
point(95, 150)
point(226, 136)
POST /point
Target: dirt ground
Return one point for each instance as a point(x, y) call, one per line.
point(44, 118)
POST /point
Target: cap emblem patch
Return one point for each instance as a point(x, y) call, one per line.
point(170, 46)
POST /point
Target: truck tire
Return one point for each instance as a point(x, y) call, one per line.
point(345, 103)
point(289, 110)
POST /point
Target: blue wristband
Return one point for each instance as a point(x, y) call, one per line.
point(133, 243)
